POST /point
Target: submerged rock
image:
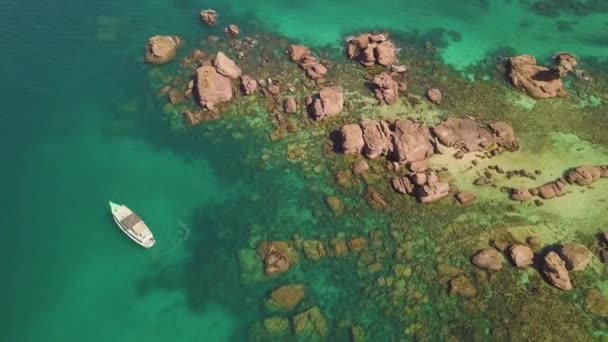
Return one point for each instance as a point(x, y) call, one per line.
point(335, 205)
point(465, 197)
point(211, 87)
point(489, 259)
point(276, 325)
point(314, 250)
point(161, 49)
point(226, 66)
point(402, 185)
point(232, 30)
point(537, 81)
point(360, 167)
point(554, 269)
point(521, 255)
point(311, 322)
point(596, 303)
point(209, 17)
point(287, 297)
point(463, 287)
point(576, 256)
point(328, 103)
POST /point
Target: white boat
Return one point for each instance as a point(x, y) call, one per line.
point(132, 225)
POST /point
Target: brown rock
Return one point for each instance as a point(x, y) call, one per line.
point(584, 175)
point(576, 256)
point(433, 190)
point(360, 167)
point(565, 63)
point(375, 199)
point(521, 255)
point(520, 195)
point(551, 190)
point(352, 139)
point(339, 247)
point(248, 85)
point(328, 103)
point(537, 81)
point(232, 30)
point(226, 66)
point(314, 250)
point(411, 142)
point(357, 245)
point(386, 89)
point(162, 49)
point(376, 135)
point(419, 166)
point(402, 185)
point(554, 269)
point(290, 105)
point(465, 197)
point(489, 259)
point(273, 89)
point(209, 17)
point(211, 87)
point(464, 134)
point(533, 241)
point(386, 53)
point(434, 95)
point(278, 257)
point(298, 52)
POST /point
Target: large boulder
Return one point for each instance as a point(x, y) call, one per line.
point(576, 256)
point(376, 135)
point(386, 88)
point(554, 269)
point(551, 190)
point(411, 142)
point(328, 103)
point(352, 139)
point(537, 81)
point(369, 49)
point(298, 52)
point(521, 255)
point(226, 66)
point(434, 95)
point(290, 105)
point(489, 259)
point(584, 175)
point(161, 49)
point(386, 53)
point(212, 87)
point(429, 188)
point(301, 54)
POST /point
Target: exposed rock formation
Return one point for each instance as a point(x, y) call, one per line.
point(521, 255)
point(554, 269)
point(211, 87)
point(585, 175)
point(352, 139)
point(465, 197)
point(232, 30)
point(430, 189)
point(290, 105)
point(565, 63)
point(470, 136)
point(301, 55)
point(537, 81)
point(371, 48)
point(209, 17)
point(489, 259)
point(226, 66)
point(161, 49)
point(551, 190)
point(385, 88)
point(376, 135)
point(278, 257)
point(576, 256)
point(248, 85)
point(411, 142)
point(328, 103)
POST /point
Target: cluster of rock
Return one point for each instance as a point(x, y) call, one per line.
point(386, 89)
point(553, 265)
point(302, 55)
point(538, 81)
point(369, 49)
point(161, 49)
point(582, 176)
point(213, 82)
point(329, 102)
point(403, 141)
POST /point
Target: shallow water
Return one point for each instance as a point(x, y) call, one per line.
point(81, 125)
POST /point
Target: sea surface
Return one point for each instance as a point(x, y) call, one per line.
point(81, 125)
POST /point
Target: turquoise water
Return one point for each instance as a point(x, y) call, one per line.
point(81, 125)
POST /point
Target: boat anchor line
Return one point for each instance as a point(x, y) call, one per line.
point(184, 234)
